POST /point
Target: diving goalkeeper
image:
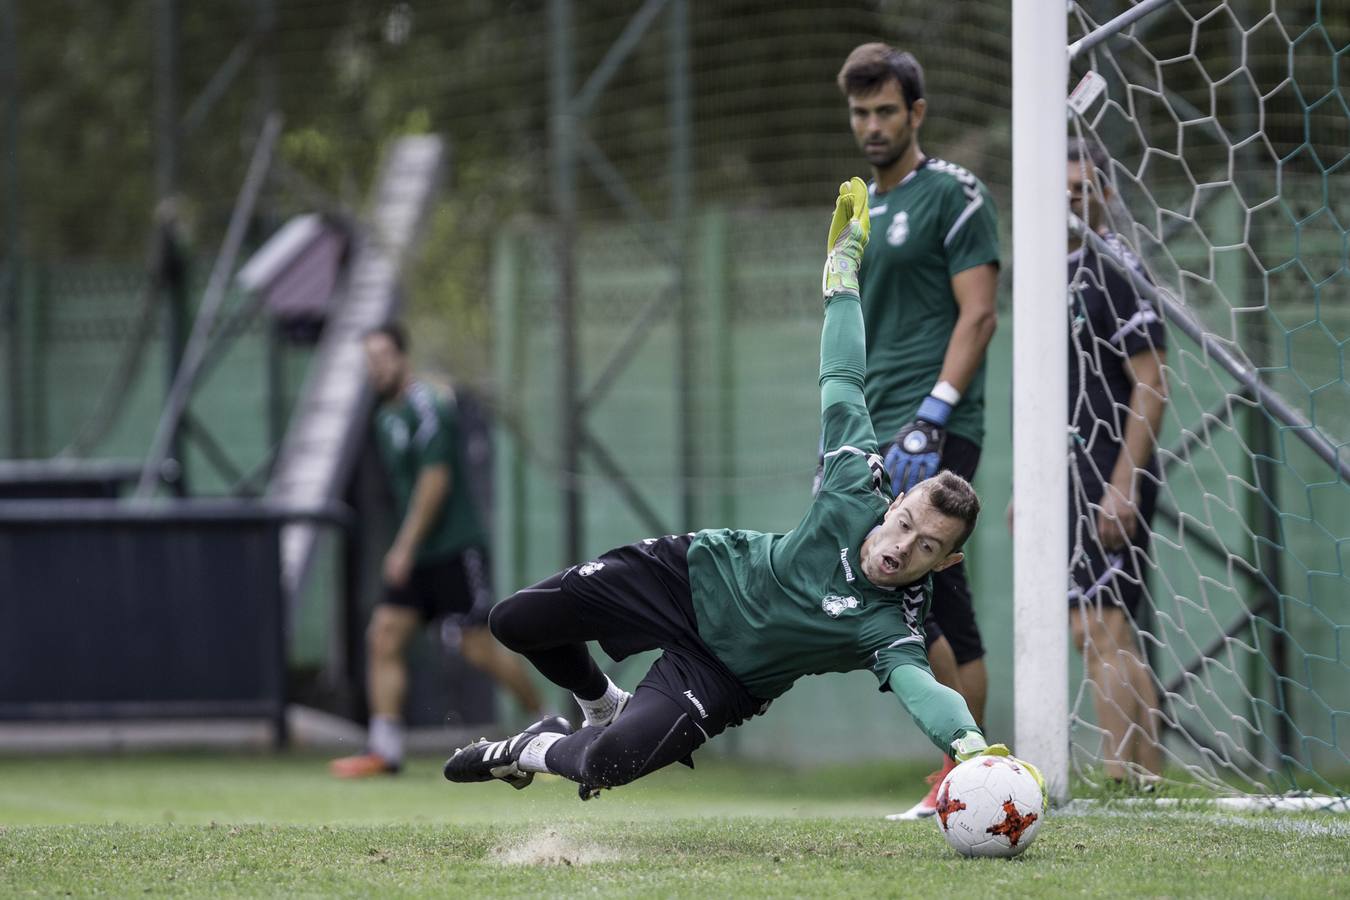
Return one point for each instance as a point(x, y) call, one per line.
point(741, 615)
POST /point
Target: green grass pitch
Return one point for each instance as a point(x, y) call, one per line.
point(243, 825)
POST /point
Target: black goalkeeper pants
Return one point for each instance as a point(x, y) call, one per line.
point(632, 599)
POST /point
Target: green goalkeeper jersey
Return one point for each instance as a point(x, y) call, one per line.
point(936, 223)
point(775, 607)
point(415, 431)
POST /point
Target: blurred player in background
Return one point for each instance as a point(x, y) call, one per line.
point(929, 284)
point(438, 564)
point(741, 615)
point(1116, 375)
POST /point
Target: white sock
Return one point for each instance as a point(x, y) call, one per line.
point(386, 738)
point(602, 708)
point(532, 757)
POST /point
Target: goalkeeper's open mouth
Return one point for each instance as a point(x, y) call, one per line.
point(889, 564)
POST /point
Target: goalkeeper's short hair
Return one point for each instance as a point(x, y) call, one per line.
point(952, 495)
point(870, 66)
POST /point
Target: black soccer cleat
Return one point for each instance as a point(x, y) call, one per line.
point(484, 760)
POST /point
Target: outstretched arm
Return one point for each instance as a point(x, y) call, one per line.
point(843, 349)
point(939, 711)
point(843, 353)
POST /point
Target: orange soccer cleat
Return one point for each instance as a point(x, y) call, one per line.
point(365, 765)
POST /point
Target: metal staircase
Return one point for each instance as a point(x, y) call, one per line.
point(327, 425)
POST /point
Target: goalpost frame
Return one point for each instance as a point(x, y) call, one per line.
point(1040, 391)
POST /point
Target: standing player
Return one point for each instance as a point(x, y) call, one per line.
point(741, 615)
point(929, 283)
point(438, 562)
point(1117, 393)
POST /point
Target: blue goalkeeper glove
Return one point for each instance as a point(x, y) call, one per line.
point(917, 451)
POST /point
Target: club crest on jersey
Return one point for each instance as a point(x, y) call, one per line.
point(834, 604)
point(590, 568)
point(899, 229)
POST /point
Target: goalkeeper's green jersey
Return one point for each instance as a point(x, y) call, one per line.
point(936, 223)
point(775, 607)
point(416, 431)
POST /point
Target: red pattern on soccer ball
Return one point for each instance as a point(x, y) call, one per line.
point(946, 805)
point(1014, 824)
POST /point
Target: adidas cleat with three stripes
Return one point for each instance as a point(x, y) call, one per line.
point(485, 760)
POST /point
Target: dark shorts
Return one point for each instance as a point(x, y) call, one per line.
point(953, 613)
point(637, 598)
point(1100, 576)
point(458, 585)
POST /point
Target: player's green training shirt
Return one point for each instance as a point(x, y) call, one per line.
point(936, 223)
point(418, 430)
point(775, 607)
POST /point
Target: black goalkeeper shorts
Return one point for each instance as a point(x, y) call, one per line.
point(638, 597)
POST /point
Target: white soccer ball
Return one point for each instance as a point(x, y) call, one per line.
point(990, 806)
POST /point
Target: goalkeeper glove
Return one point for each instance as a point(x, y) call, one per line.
point(849, 230)
point(972, 744)
point(1040, 780)
point(917, 451)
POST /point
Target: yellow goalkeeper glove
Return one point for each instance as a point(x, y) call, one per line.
point(849, 230)
point(972, 744)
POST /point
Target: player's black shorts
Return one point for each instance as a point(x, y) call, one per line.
point(953, 611)
point(637, 597)
point(458, 585)
point(1100, 576)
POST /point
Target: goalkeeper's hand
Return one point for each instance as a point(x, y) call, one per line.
point(972, 744)
point(849, 230)
point(917, 451)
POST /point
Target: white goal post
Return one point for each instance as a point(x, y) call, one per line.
point(1183, 373)
point(1040, 392)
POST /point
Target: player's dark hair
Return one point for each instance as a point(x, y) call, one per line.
point(396, 333)
point(1081, 149)
point(870, 66)
point(952, 495)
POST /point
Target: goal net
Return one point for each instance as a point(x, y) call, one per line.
point(1214, 250)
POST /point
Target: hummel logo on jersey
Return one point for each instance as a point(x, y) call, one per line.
point(899, 230)
point(591, 568)
point(834, 604)
point(843, 559)
point(703, 713)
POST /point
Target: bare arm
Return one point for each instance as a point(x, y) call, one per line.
point(428, 497)
point(429, 493)
point(1147, 401)
point(976, 292)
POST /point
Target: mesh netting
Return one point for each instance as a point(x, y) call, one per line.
point(1227, 132)
point(1226, 126)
